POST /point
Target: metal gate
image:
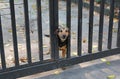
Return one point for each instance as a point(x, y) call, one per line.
point(55, 61)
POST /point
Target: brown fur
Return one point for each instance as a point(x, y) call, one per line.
point(64, 50)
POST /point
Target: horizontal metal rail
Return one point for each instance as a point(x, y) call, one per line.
point(49, 65)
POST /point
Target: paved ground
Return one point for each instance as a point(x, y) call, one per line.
point(96, 69)
point(75, 71)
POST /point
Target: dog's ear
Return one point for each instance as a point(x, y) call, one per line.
point(56, 31)
point(68, 30)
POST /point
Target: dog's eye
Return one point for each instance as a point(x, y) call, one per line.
point(66, 31)
point(60, 30)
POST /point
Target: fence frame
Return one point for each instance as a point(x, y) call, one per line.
point(45, 65)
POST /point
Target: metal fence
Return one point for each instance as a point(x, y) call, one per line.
point(55, 61)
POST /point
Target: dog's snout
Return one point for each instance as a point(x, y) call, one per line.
point(64, 36)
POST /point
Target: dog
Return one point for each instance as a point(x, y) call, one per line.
point(62, 34)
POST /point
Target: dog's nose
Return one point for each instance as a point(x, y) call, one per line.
point(64, 36)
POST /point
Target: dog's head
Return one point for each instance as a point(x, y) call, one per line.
point(62, 33)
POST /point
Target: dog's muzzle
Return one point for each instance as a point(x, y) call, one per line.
point(64, 37)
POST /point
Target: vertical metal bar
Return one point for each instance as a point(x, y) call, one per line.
point(69, 26)
point(39, 23)
point(110, 24)
point(118, 33)
point(13, 21)
point(90, 37)
point(2, 47)
point(80, 4)
point(100, 37)
point(51, 24)
point(28, 45)
point(55, 27)
point(53, 4)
